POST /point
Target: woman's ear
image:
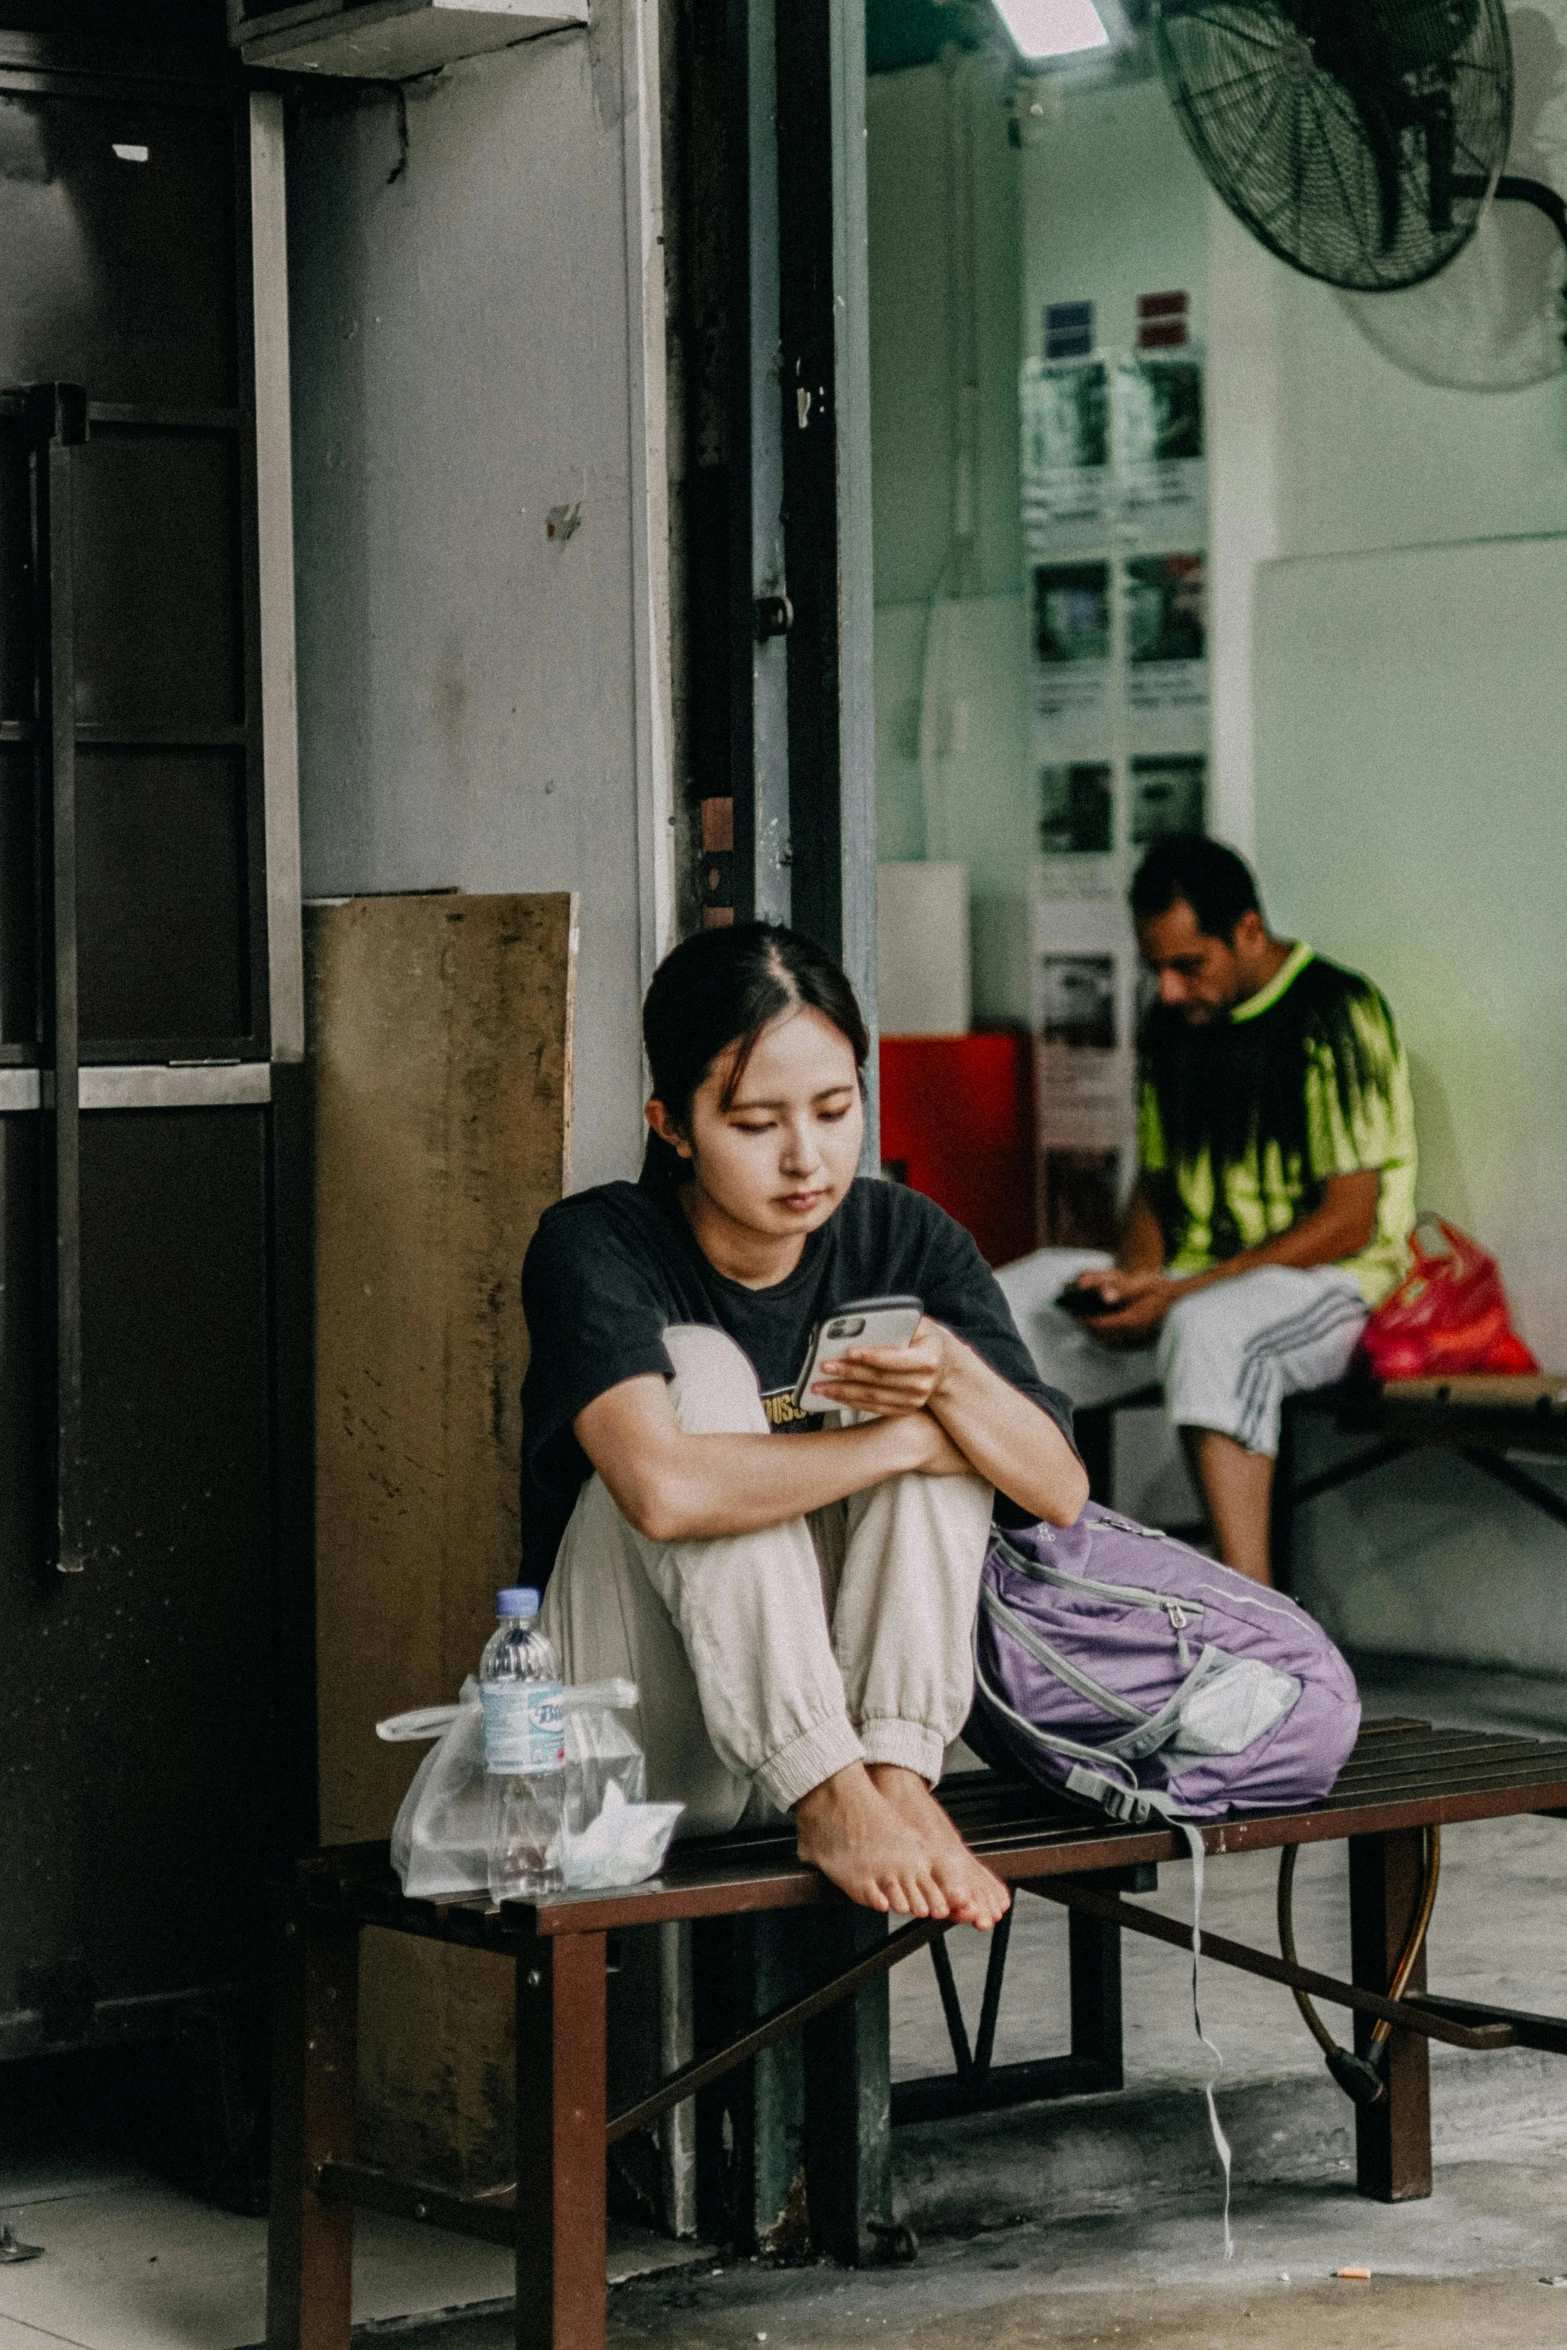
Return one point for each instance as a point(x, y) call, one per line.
point(664, 1127)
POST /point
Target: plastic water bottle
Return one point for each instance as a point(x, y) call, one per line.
point(524, 1752)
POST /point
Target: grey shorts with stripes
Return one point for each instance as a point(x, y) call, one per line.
point(1226, 1356)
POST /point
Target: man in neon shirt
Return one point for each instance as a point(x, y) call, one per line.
point(1276, 1176)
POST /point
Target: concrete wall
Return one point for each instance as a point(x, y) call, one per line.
point(477, 342)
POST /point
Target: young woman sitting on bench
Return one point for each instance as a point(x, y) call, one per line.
point(795, 1601)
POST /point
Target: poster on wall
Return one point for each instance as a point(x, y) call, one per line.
point(1077, 1197)
point(1070, 620)
point(1161, 475)
point(1166, 641)
point(1065, 414)
point(1083, 1065)
point(1076, 808)
point(1077, 1001)
point(1169, 794)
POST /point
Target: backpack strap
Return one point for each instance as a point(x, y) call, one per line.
point(1133, 1806)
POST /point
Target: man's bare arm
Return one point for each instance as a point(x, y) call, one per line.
point(1141, 1248)
point(1339, 1226)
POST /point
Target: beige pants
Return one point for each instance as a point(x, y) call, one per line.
point(767, 1661)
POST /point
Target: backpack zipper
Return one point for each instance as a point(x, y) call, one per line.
point(1178, 1613)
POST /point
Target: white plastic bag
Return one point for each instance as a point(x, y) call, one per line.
point(610, 1835)
point(439, 1840)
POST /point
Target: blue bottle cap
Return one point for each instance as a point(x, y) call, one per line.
point(518, 1599)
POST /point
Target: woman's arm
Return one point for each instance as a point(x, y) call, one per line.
point(675, 1488)
point(1004, 1436)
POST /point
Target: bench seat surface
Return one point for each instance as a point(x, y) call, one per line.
point(1402, 1774)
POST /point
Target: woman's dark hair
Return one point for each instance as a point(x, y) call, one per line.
point(720, 988)
point(1213, 880)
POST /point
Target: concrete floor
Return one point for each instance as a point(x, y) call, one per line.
point(1095, 2220)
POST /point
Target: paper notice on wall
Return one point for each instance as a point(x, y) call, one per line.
point(1076, 826)
point(1161, 476)
point(1070, 684)
point(1064, 407)
point(1083, 1081)
point(1076, 999)
point(1076, 808)
point(1082, 1022)
point(1169, 794)
point(1167, 642)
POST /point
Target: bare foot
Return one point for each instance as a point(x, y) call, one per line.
point(855, 1837)
point(974, 1895)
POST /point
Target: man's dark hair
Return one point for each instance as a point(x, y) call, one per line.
point(1215, 883)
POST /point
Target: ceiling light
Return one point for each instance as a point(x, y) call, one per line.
point(1052, 28)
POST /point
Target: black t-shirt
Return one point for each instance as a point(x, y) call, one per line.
point(609, 1270)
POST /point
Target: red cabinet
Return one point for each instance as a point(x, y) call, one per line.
point(957, 1123)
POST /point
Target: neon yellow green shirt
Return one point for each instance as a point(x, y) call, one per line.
point(1246, 1118)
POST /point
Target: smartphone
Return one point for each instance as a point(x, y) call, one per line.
point(864, 1321)
point(1086, 1303)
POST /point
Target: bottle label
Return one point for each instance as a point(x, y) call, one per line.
point(524, 1726)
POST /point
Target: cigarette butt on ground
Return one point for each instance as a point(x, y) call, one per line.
point(1360, 2276)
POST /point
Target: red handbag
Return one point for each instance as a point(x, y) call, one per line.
point(1448, 1315)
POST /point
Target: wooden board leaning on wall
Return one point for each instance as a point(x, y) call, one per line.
point(440, 1049)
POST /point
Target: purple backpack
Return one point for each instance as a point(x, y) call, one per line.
point(1127, 1669)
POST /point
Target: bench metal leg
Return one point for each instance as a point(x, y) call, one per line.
point(1094, 1953)
point(561, 2119)
point(310, 2244)
point(848, 2102)
point(750, 2125)
point(1392, 2137)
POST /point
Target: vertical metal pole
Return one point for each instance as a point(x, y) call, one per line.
point(275, 564)
point(763, 848)
point(856, 578)
point(825, 387)
point(69, 1528)
point(58, 416)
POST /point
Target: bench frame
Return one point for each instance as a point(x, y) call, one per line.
point(1402, 1780)
point(1484, 1420)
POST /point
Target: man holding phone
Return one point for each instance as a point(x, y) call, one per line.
point(1275, 1192)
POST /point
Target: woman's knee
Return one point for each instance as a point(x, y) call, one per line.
point(714, 1390)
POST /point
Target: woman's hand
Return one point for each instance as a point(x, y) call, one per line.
point(934, 1453)
point(888, 1380)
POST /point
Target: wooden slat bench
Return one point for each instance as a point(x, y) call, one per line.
point(1402, 1779)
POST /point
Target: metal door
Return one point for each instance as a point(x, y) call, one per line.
point(151, 1386)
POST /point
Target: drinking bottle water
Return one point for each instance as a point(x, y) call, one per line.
point(524, 1752)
